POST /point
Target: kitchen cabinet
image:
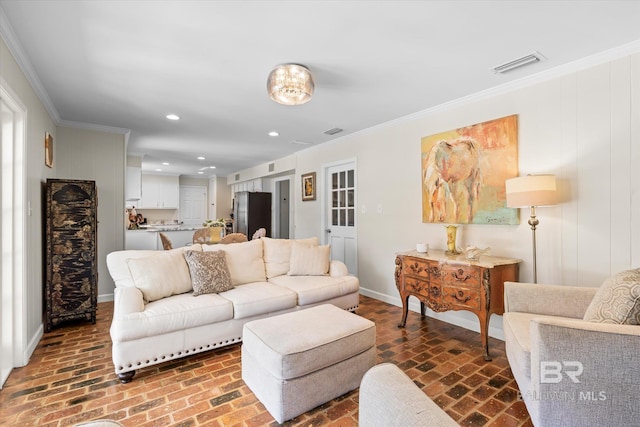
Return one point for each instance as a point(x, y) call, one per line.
point(133, 183)
point(140, 239)
point(150, 239)
point(160, 192)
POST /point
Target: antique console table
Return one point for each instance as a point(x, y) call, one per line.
point(443, 283)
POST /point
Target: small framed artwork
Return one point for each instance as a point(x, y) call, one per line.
point(308, 186)
point(48, 150)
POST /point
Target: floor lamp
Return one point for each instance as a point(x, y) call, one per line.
point(532, 191)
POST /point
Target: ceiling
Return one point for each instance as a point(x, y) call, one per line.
point(127, 64)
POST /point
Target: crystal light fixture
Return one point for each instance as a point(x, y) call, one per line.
point(290, 84)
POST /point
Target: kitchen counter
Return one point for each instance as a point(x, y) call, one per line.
point(169, 228)
point(148, 238)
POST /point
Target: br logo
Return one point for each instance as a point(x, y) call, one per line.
point(551, 371)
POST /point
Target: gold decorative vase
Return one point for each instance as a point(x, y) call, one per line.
point(451, 240)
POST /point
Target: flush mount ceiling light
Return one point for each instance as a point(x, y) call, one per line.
point(290, 84)
point(173, 117)
point(273, 133)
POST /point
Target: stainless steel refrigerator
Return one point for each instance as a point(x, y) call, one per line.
point(251, 211)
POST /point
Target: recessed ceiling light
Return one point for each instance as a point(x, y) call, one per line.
point(200, 172)
point(200, 158)
point(165, 163)
point(212, 167)
point(158, 170)
point(274, 133)
point(173, 117)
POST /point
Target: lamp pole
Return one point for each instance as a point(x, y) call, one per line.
point(533, 222)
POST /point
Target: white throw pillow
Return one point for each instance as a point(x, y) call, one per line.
point(309, 260)
point(277, 253)
point(244, 261)
point(161, 275)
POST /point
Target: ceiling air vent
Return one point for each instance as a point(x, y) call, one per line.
point(519, 62)
point(333, 131)
point(272, 167)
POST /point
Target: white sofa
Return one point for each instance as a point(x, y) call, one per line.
point(157, 318)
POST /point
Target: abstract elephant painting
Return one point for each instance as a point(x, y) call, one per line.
point(464, 170)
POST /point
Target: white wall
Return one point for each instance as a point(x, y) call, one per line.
point(38, 122)
point(101, 157)
point(583, 126)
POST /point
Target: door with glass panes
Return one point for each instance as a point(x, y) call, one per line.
point(341, 214)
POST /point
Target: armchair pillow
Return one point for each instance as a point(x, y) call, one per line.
point(309, 260)
point(209, 272)
point(617, 300)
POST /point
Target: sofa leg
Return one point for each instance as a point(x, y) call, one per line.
point(126, 377)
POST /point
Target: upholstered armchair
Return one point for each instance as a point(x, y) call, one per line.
point(575, 351)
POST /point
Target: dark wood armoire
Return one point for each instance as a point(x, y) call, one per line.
point(71, 269)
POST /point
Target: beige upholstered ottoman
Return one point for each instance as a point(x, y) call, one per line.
point(297, 361)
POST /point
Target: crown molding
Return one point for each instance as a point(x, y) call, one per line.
point(14, 46)
point(91, 126)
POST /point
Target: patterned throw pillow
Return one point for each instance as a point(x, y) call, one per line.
point(209, 272)
point(617, 301)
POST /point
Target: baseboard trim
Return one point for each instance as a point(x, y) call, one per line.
point(495, 325)
point(105, 298)
point(31, 347)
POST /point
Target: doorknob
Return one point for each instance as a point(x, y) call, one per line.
point(327, 230)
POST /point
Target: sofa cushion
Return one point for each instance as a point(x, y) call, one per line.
point(314, 289)
point(209, 272)
point(166, 315)
point(277, 253)
point(244, 260)
point(253, 299)
point(309, 260)
point(161, 274)
point(617, 300)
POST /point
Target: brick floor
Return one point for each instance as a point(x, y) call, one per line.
point(70, 379)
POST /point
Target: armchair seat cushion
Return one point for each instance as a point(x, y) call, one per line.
point(517, 333)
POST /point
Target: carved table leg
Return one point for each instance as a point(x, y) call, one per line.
point(484, 336)
point(126, 377)
point(423, 308)
point(405, 309)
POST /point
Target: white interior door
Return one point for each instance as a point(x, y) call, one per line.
point(193, 205)
point(340, 213)
point(6, 360)
point(13, 349)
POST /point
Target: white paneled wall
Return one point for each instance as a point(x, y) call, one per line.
point(583, 126)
